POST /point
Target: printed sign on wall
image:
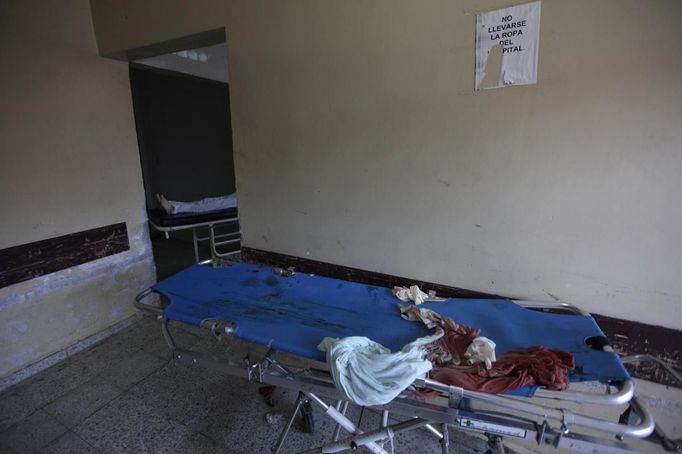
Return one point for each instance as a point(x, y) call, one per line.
point(507, 46)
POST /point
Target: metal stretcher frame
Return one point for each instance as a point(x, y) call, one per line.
point(494, 415)
point(214, 239)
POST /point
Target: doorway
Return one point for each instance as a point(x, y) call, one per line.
point(182, 116)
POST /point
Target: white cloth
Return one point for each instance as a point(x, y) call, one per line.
point(368, 373)
point(204, 205)
point(415, 295)
point(481, 350)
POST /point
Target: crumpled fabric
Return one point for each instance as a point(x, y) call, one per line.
point(431, 319)
point(512, 370)
point(481, 350)
point(368, 373)
point(451, 347)
point(415, 295)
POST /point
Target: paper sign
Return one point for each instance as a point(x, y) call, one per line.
point(507, 41)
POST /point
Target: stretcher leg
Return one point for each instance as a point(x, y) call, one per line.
point(346, 423)
point(445, 441)
point(195, 241)
point(432, 430)
point(384, 424)
point(308, 420)
point(167, 334)
point(384, 418)
point(342, 406)
point(287, 428)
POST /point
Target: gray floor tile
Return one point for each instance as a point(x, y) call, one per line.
point(69, 443)
point(125, 424)
point(174, 374)
point(131, 369)
point(31, 434)
point(54, 382)
point(137, 335)
point(156, 345)
point(198, 331)
point(178, 438)
point(177, 392)
point(73, 407)
point(236, 420)
point(13, 408)
point(111, 350)
point(219, 352)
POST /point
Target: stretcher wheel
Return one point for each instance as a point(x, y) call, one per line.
point(308, 420)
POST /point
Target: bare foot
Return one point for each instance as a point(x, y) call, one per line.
point(165, 204)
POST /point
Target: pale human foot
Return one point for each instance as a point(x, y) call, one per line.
point(165, 204)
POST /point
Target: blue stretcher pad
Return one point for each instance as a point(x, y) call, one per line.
point(295, 313)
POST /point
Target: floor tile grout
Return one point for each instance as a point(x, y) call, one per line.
point(96, 410)
point(85, 441)
point(129, 387)
point(124, 391)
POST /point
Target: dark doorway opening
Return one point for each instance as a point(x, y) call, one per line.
point(185, 141)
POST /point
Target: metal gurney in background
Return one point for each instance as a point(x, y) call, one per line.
point(292, 314)
point(219, 228)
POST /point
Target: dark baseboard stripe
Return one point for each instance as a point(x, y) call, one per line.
point(626, 336)
point(28, 261)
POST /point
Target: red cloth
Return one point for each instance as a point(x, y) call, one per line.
point(450, 349)
point(512, 370)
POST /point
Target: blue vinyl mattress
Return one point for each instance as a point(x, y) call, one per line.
point(295, 313)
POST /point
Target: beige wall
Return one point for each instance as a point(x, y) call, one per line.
point(129, 24)
point(359, 140)
point(68, 162)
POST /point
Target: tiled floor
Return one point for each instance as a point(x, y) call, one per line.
point(124, 395)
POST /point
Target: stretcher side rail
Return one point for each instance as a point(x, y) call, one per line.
point(641, 430)
point(153, 309)
point(315, 382)
point(557, 305)
point(672, 445)
point(211, 237)
point(214, 244)
point(626, 389)
point(176, 228)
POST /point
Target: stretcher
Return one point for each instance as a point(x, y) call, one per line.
point(291, 313)
point(220, 229)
